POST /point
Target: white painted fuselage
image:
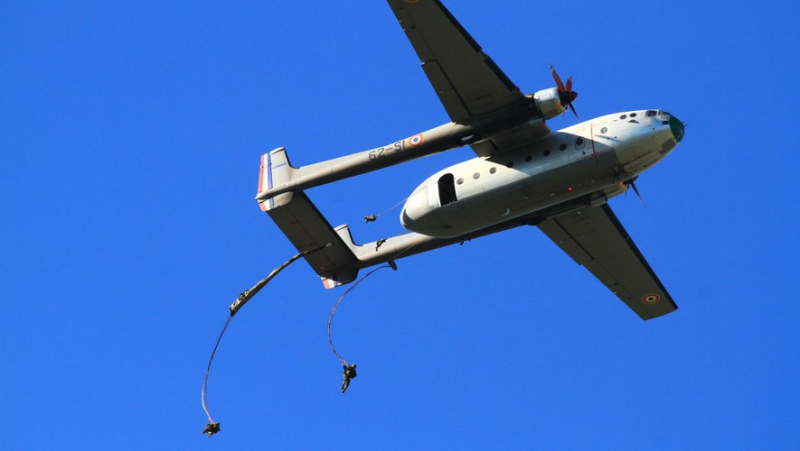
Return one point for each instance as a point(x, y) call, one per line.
point(592, 158)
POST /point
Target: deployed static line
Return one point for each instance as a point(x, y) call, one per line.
point(373, 218)
point(349, 370)
point(213, 426)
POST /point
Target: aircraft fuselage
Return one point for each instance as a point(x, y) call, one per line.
point(593, 158)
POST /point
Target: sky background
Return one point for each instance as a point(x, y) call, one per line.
point(131, 134)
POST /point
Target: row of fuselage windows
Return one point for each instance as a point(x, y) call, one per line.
point(578, 142)
point(650, 113)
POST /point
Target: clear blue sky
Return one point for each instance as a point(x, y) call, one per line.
point(131, 135)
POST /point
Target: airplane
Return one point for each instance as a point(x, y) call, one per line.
point(524, 173)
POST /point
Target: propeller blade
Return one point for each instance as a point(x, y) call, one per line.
point(565, 93)
point(573, 111)
point(636, 190)
point(557, 79)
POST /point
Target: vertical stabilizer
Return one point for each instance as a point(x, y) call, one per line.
point(275, 171)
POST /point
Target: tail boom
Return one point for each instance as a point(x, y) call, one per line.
point(445, 137)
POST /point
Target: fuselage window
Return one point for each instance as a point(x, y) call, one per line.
point(546, 152)
point(528, 158)
point(476, 175)
point(510, 164)
point(604, 129)
point(562, 147)
point(460, 181)
point(579, 141)
point(492, 170)
point(447, 190)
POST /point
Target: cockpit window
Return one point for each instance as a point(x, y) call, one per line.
point(633, 114)
point(624, 116)
point(651, 113)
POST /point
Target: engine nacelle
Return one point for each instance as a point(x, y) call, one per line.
point(548, 103)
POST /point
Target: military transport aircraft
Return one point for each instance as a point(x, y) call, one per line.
point(524, 173)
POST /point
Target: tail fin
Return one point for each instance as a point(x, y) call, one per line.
point(304, 225)
point(275, 171)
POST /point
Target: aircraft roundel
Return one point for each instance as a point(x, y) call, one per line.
point(416, 140)
point(651, 299)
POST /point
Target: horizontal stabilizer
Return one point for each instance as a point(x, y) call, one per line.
point(306, 228)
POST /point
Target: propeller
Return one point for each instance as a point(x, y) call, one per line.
point(565, 93)
point(632, 184)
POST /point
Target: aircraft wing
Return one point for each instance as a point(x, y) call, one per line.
point(467, 81)
point(595, 239)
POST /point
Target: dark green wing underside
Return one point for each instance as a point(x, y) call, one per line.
point(467, 81)
point(595, 239)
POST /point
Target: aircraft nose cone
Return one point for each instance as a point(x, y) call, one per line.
point(677, 128)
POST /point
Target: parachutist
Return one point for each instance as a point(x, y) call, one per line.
point(349, 373)
point(370, 218)
point(379, 243)
point(211, 429)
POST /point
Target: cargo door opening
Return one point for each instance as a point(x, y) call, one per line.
point(447, 190)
